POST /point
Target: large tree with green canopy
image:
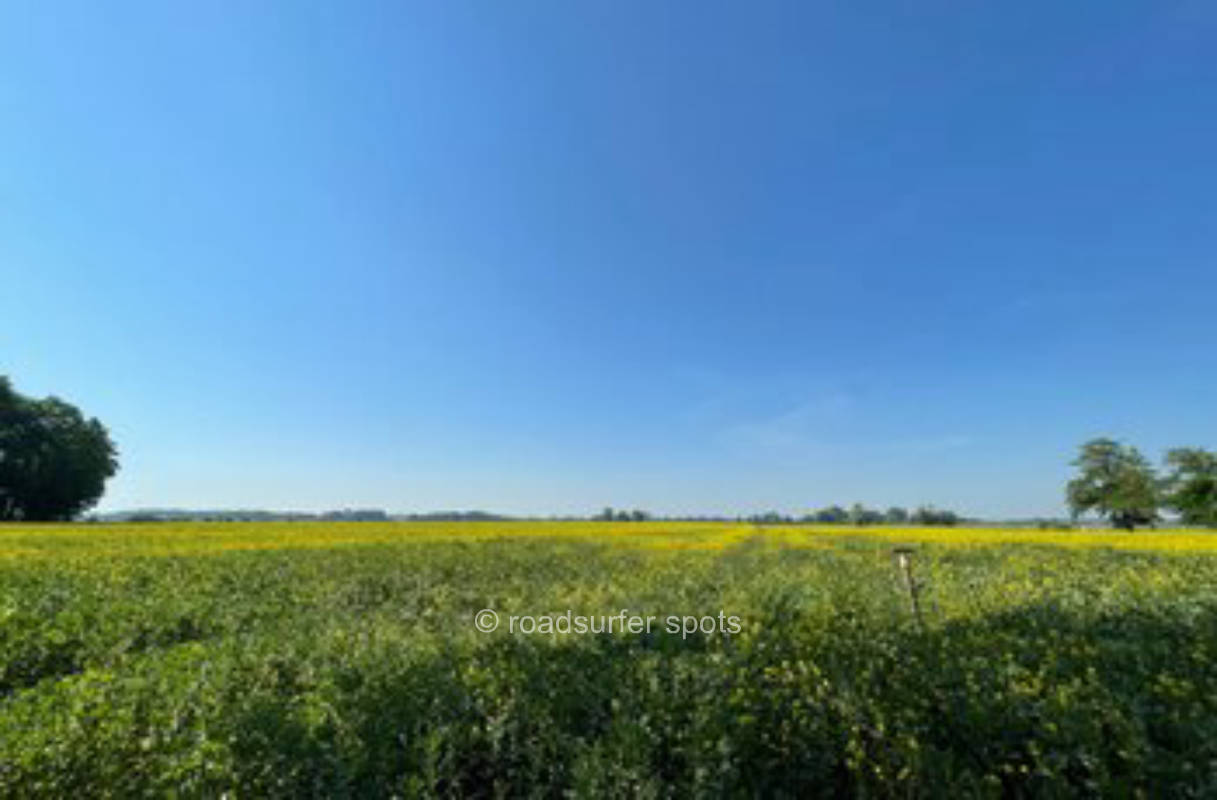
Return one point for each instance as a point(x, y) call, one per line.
point(54, 462)
point(1115, 481)
point(1191, 486)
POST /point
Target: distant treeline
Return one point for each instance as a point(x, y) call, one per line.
point(341, 515)
point(832, 515)
point(858, 514)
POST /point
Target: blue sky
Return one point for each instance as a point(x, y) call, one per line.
point(546, 257)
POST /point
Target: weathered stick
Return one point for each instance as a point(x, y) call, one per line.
point(904, 561)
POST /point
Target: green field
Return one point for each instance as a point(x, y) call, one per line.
point(314, 660)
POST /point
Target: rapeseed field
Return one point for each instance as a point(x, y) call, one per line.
point(359, 660)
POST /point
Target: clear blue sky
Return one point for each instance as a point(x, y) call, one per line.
point(546, 257)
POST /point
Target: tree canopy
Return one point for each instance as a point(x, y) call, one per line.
point(54, 462)
point(1115, 481)
point(1191, 486)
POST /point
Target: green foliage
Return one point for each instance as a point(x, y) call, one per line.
point(928, 515)
point(1191, 486)
point(1115, 481)
point(771, 518)
point(609, 515)
point(53, 461)
point(861, 515)
point(830, 515)
point(357, 672)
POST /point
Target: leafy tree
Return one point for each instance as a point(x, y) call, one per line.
point(1115, 481)
point(1191, 487)
point(896, 516)
point(54, 462)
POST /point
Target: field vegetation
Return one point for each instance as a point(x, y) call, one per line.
point(341, 660)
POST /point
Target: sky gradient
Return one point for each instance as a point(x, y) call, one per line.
point(546, 257)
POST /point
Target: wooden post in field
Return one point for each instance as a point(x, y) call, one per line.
point(904, 563)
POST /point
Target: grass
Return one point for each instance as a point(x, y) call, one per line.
point(341, 660)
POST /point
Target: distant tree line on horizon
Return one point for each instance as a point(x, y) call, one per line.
point(621, 515)
point(340, 515)
point(858, 514)
point(832, 515)
point(55, 461)
point(175, 515)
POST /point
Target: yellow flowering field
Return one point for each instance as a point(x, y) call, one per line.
point(144, 539)
point(593, 659)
